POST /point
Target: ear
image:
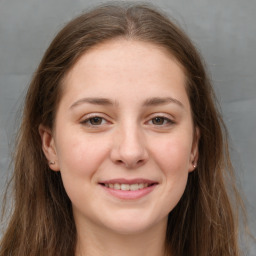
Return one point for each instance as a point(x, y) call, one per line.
point(194, 150)
point(48, 146)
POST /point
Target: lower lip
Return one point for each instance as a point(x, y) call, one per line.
point(129, 194)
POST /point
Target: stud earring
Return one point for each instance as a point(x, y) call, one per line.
point(52, 163)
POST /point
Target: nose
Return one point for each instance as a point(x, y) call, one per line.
point(129, 148)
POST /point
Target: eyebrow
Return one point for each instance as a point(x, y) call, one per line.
point(94, 101)
point(155, 101)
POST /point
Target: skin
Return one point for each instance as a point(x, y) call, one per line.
point(127, 140)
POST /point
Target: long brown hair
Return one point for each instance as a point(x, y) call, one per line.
point(203, 222)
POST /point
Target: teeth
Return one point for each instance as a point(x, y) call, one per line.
point(132, 187)
point(141, 185)
point(117, 186)
point(125, 187)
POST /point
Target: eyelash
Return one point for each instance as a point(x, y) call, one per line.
point(88, 121)
point(167, 121)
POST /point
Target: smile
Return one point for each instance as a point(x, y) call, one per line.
point(129, 189)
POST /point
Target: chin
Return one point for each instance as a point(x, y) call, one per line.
point(133, 224)
point(129, 229)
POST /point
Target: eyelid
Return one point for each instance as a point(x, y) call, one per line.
point(167, 117)
point(88, 116)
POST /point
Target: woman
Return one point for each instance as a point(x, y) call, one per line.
point(121, 150)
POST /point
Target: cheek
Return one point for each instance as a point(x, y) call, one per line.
point(80, 155)
point(173, 156)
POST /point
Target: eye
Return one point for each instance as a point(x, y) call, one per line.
point(160, 121)
point(94, 121)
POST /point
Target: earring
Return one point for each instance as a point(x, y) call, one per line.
point(52, 163)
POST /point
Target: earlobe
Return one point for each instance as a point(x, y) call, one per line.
point(48, 147)
point(194, 150)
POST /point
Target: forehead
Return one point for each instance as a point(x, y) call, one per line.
point(122, 65)
point(120, 49)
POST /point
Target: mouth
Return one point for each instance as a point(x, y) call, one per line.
point(129, 189)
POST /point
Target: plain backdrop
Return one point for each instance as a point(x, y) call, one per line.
point(224, 31)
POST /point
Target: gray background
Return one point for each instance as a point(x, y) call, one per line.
point(223, 30)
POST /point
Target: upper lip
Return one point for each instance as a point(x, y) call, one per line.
point(128, 181)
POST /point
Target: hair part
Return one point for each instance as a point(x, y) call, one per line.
point(203, 222)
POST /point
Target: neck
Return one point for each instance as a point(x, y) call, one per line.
point(105, 242)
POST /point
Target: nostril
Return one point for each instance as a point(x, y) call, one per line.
point(130, 164)
point(119, 162)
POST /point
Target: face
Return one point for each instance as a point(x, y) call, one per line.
point(123, 139)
